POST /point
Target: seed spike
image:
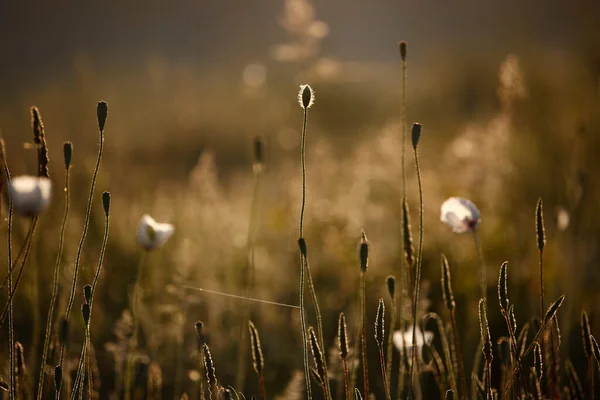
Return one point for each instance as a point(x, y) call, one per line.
point(447, 285)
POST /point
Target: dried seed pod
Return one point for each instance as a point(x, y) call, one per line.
point(415, 134)
point(391, 286)
point(553, 309)
point(586, 333)
point(503, 287)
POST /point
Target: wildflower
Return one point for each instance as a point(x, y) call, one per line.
point(461, 214)
point(404, 340)
point(29, 194)
point(151, 234)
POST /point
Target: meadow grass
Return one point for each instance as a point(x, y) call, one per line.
point(512, 361)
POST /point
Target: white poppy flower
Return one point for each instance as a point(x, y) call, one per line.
point(151, 234)
point(461, 214)
point(403, 340)
point(30, 194)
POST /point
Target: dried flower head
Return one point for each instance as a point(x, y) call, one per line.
point(343, 336)
point(258, 361)
point(306, 96)
point(106, 202)
point(151, 234)
point(461, 214)
point(29, 194)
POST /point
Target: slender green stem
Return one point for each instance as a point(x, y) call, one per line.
point(303, 259)
point(83, 236)
point(134, 336)
point(261, 383)
point(363, 336)
point(542, 308)
point(313, 293)
point(591, 377)
point(386, 385)
point(48, 335)
point(249, 283)
point(82, 365)
point(346, 379)
point(483, 268)
point(26, 247)
point(417, 282)
point(462, 391)
point(85, 226)
point(11, 339)
point(303, 163)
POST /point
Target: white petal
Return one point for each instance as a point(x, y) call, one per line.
point(30, 195)
point(151, 234)
point(461, 214)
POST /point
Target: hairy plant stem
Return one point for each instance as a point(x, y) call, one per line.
point(346, 379)
point(417, 282)
point(386, 385)
point(303, 260)
point(50, 318)
point(134, 314)
point(363, 336)
point(11, 339)
point(25, 249)
point(483, 268)
point(82, 240)
point(249, 282)
point(462, 391)
point(82, 362)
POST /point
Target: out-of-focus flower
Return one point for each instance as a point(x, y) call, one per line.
point(562, 219)
point(151, 234)
point(404, 340)
point(30, 194)
point(461, 214)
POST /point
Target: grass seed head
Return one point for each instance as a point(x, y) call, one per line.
point(68, 153)
point(447, 285)
point(586, 334)
point(391, 286)
point(363, 254)
point(258, 361)
point(538, 361)
point(343, 336)
point(503, 287)
point(106, 203)
point(415, 134)
point(402, 46)
point(209, 366)
point(306, 96)
point(553, 309)
point(87, 293)
point(57, 377)
point(317, 353)
point(37, 124)
point(102, 113)
point(539, 225)
point(379, 323)
point(449, 394)
point(409, 251)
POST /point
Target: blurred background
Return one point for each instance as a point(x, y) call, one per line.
point(508, 95)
